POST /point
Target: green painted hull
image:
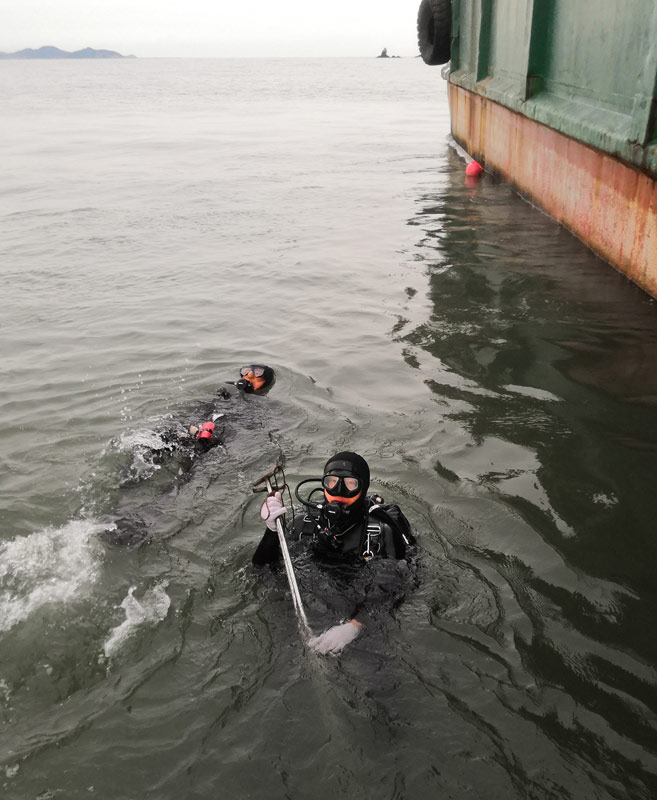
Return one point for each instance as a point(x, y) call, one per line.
point(559, 97)
point(586, 68)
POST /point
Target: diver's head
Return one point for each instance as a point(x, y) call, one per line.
point(255, 378)
point(345, 481)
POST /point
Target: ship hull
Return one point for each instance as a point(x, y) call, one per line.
point(560, 98)
point(611, 206)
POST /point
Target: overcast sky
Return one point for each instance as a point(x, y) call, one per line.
point(213, 28)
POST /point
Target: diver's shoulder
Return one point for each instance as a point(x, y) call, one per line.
point(393, 523)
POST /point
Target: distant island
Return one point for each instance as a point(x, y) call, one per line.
point(55, 52)
point(384, 54)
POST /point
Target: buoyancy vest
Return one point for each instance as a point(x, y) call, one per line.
point(384, 532)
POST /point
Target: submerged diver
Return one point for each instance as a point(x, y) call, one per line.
point(181, 442)
point(254, 379)
point(178, 448)
point(347, 527)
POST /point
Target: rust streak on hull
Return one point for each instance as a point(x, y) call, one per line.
point(611, 206)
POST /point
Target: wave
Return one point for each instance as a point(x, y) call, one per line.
point(50, 566)
point(152, 609)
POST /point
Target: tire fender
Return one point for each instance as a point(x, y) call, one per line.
point(434, 31)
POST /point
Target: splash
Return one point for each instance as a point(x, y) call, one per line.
point(147, 448)
point(50, 566)
point(152, 609)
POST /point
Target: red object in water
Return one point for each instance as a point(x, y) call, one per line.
point(206, 430)
point(474, 169)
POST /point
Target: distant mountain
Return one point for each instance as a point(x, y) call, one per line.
point(55, 52)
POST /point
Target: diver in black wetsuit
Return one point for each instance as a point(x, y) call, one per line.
point(207, 432)
point(254, 379)
point(346, 527)
point(182, 447)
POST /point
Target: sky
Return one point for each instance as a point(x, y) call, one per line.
point(213, 28)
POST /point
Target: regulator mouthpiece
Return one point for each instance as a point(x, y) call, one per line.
point(244, 386)
point(335, 512)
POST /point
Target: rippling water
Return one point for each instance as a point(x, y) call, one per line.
point(164, 222)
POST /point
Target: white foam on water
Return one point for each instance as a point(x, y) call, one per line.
point(50, 566)
point(144, 446)
point(152, 609)
point(606, 500)
point(130, 440)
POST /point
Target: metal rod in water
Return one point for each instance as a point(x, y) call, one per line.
point(289, 569)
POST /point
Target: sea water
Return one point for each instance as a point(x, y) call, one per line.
point(163, 223)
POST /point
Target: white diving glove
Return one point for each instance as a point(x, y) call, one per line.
point(336, 638)
point(271, 510)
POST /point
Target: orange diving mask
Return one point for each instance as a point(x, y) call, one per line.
point(256, 381)
point(341, 488)
point(256, 375)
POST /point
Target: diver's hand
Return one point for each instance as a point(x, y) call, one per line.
point(336, 638)
point(272, 509)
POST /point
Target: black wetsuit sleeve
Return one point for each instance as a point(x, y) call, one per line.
point(268, 551)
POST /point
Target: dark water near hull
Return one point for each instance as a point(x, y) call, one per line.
point(164, 222)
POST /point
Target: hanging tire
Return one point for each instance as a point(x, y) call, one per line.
point(434, 30)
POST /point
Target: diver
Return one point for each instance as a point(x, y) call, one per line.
point(254, 379)
point(183, 442)
point(175, 451)
point(346, 528)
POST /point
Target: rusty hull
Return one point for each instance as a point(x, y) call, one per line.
point(610, 206)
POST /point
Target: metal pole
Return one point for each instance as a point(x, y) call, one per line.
point(287, 561)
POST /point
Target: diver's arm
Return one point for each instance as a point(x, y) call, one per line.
point(268, 551)
point(335, 639)
point(384, 592)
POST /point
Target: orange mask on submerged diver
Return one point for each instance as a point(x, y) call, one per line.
point(255, 376)
point(257, 383)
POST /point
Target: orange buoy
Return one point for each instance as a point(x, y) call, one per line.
point(474, 169)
